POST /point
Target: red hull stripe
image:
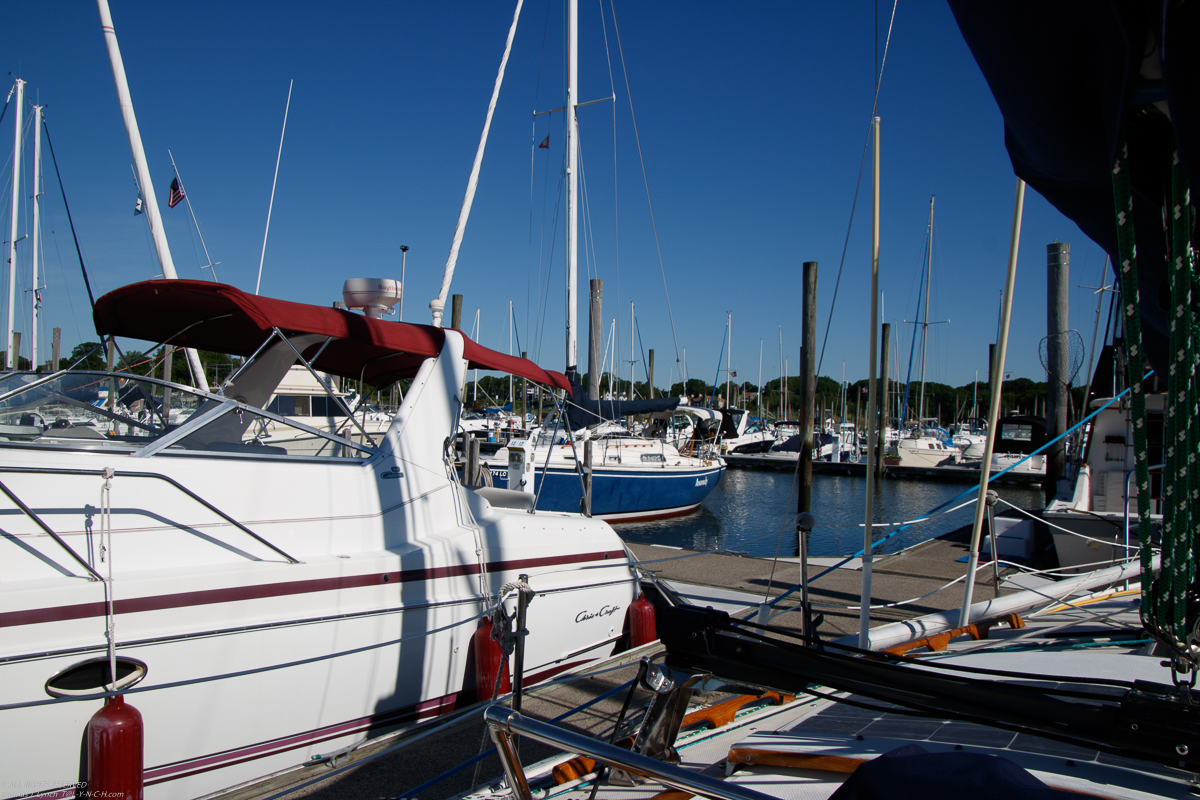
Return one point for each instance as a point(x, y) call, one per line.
point(423, 710)
point(234, 594)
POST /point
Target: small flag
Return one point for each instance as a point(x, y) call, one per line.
point(176, 194)
point(733, 373)
point(864, 390)
point(137, 206)
point(545, 145)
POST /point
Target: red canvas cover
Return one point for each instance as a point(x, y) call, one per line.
point(214, 316)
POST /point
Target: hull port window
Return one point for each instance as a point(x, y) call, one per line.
point(94, 675)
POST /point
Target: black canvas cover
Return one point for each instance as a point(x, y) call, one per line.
point(1067, 76)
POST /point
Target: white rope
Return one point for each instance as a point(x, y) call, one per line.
point(1065, 530)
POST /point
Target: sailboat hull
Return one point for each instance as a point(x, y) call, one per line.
point(630, 494)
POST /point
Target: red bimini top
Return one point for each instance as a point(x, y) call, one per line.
point(221, 318)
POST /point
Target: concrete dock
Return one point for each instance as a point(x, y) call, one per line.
point(428, 751)
point(965, 473)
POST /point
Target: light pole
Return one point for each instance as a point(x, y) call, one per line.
point(403, 256)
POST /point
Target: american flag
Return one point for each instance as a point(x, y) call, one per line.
point(176, 194)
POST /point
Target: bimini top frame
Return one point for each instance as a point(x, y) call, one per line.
point(214, 316)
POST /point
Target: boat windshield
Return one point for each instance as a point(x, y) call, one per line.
point(94, 410)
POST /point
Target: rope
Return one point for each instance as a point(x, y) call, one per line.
point(106, 555)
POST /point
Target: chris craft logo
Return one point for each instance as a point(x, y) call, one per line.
point(605, 611)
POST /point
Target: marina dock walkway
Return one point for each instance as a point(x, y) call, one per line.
point(428, 751)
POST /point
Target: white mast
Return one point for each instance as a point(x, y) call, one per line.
point(438, 305)
point(10, 358)
point(572, 169)
point(153, 217)
point(474, 335)
point(510, 377)
point(925, 324)
point(632, 352)
point(760, 345)
point(728, 357)
point(35, 289)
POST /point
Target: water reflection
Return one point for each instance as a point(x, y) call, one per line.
point(751, 512)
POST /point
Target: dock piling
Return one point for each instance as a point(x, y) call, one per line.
point(808, 383)
point(1058, 267)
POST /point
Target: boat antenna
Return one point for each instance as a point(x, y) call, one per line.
point(182, 193)
point(271, 205)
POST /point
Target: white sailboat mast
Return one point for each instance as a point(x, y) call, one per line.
point(728, 358)
point(572, 182)
point(10, 358)
point(153, 217)
point(35, 287)
point(925, 324)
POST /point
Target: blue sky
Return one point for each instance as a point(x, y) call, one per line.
point(752, 121)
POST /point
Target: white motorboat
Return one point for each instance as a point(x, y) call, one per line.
point(275, 601)
point(1090, 517)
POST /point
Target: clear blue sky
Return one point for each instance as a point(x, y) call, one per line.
point(752, 119)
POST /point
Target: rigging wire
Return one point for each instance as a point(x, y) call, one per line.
point(858, 185)
point(645, 178)
point(74, 235)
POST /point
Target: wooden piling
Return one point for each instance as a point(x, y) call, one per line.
point(585, 503)
point(594, 339)
point(524, 399)
point(1058, 267)
point(471, 473)
point(808, 382)
point(650, 378)
point(885, 341)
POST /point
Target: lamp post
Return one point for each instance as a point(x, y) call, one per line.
point(403, 256)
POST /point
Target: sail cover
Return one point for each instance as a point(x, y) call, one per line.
point(214, 316)
point(582, 411)
point(1066, 77)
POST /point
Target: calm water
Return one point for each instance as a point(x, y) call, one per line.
point(748, 509)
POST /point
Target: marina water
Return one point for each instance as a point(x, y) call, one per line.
point(751, 513)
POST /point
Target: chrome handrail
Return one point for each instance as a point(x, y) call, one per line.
point(504, 724)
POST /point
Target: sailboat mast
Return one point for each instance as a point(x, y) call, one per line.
point(572, 183)
point(760, 394)
point(153, 217)
point(925, 324)
point(35, 288)
point(728, 358)
point(10, 358)
point(632, 352)
point(510, 377)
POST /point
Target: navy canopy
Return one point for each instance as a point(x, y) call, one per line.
point(1067, 76)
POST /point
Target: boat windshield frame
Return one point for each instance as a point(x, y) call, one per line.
point(201, 418)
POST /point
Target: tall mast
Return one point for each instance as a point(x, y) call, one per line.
point(35, 288)
point(632, 352)
point(572, 181)
point(728, 357)
point(760, 393)
point(153, 217)
point(510, 377)
point(925, 324)
point(10, 358)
